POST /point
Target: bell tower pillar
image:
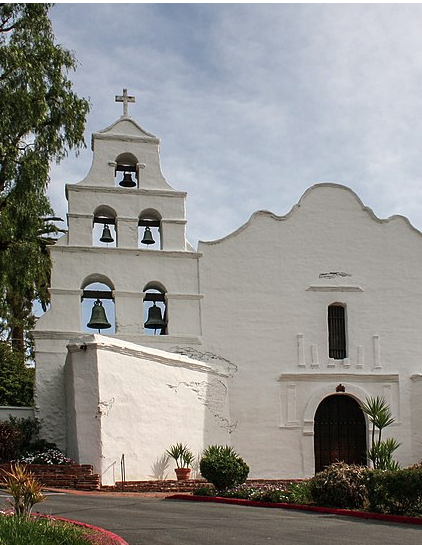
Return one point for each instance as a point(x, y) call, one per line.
point(126, 247)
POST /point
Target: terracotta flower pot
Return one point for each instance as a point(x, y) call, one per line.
point(182, 473)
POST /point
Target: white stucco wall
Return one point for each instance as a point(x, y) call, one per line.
point(125, 269)
point(248, 313)
point(137, 401)
point(17, 412)
point(268, 315)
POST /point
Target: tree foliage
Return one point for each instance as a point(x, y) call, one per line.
point(16, 379)
point(42, 119)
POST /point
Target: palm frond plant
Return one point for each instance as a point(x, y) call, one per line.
point(25, 488)
point(381, 452)
point(181, 455)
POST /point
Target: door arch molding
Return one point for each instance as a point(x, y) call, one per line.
point(358, 393)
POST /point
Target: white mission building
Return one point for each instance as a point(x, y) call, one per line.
point(267, 340)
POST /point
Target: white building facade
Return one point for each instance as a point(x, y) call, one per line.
point(268, 339)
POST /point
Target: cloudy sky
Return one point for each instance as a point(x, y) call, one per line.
point(254, 103)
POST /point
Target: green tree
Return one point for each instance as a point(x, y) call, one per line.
point(16, 379)
point(41, 120)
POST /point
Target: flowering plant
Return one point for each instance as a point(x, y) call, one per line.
point(51, 456)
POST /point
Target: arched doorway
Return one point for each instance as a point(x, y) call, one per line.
point(339, 432)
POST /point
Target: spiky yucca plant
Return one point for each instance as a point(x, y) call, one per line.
point(25, 488)
point(380, 415)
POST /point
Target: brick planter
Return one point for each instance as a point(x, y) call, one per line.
point(79, 477)
point(181, 486)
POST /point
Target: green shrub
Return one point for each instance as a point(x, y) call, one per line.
point(204, 490)
point(381, 454)
point(29, 429)
point(241, 492)
point(50, 456)
point(41, 531)
point(10, 441)
point(396, 492)
point(269, 495)
point(221, 466)
point(339, 485)
point(17, 436)
point(299, 493)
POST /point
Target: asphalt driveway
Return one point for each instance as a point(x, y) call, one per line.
point(152, 521)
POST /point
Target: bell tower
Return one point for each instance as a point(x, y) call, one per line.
point(124, 268)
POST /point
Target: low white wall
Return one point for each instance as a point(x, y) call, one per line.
point(19, 412)
point(130, 400)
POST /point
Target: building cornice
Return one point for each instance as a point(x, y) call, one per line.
point(119, 250)
point(140, 352)
point(324, 377)
point(118, 190)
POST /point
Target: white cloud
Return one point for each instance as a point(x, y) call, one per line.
point(256, 102)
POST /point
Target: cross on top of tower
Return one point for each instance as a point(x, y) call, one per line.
point(125, 99)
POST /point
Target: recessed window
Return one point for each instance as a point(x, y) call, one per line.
point(337, 332)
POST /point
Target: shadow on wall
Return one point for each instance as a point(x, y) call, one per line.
point(160, 468)
point(111, 467)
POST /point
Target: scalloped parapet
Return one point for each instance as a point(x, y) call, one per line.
point(331, 199)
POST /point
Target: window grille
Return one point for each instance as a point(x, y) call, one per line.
point(336, 332)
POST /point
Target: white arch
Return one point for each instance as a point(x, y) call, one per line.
point(97, 277)
point(352, 390)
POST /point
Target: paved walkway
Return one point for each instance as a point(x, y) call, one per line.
point(142, 520)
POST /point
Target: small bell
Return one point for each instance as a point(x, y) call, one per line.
point(106, 236)
point(127, 180)
point(98, 317)
point(148, 238)
point(155, 320)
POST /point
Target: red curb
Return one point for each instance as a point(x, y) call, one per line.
point(344, 512)
point(117, 540)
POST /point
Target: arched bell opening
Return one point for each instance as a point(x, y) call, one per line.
point(98, 312)
point(104, 232)
point(149, 230)
point(154, 310)
point(126, 172)
point(339, 432)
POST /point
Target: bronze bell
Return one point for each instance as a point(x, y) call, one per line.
point(127, 180)
point(155, 320)
point(106, 236)
point(98, 317)
point(148, 238)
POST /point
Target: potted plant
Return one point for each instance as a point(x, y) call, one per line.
point(183, 458)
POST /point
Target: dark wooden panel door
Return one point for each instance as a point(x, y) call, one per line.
point(339, 432)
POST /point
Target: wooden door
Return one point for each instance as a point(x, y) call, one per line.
point(339, 432)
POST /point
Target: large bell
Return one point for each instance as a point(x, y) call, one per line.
point(148, 238)
point(155, 320)
point(106, 236)
point(98, 317)
point(127, 180)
